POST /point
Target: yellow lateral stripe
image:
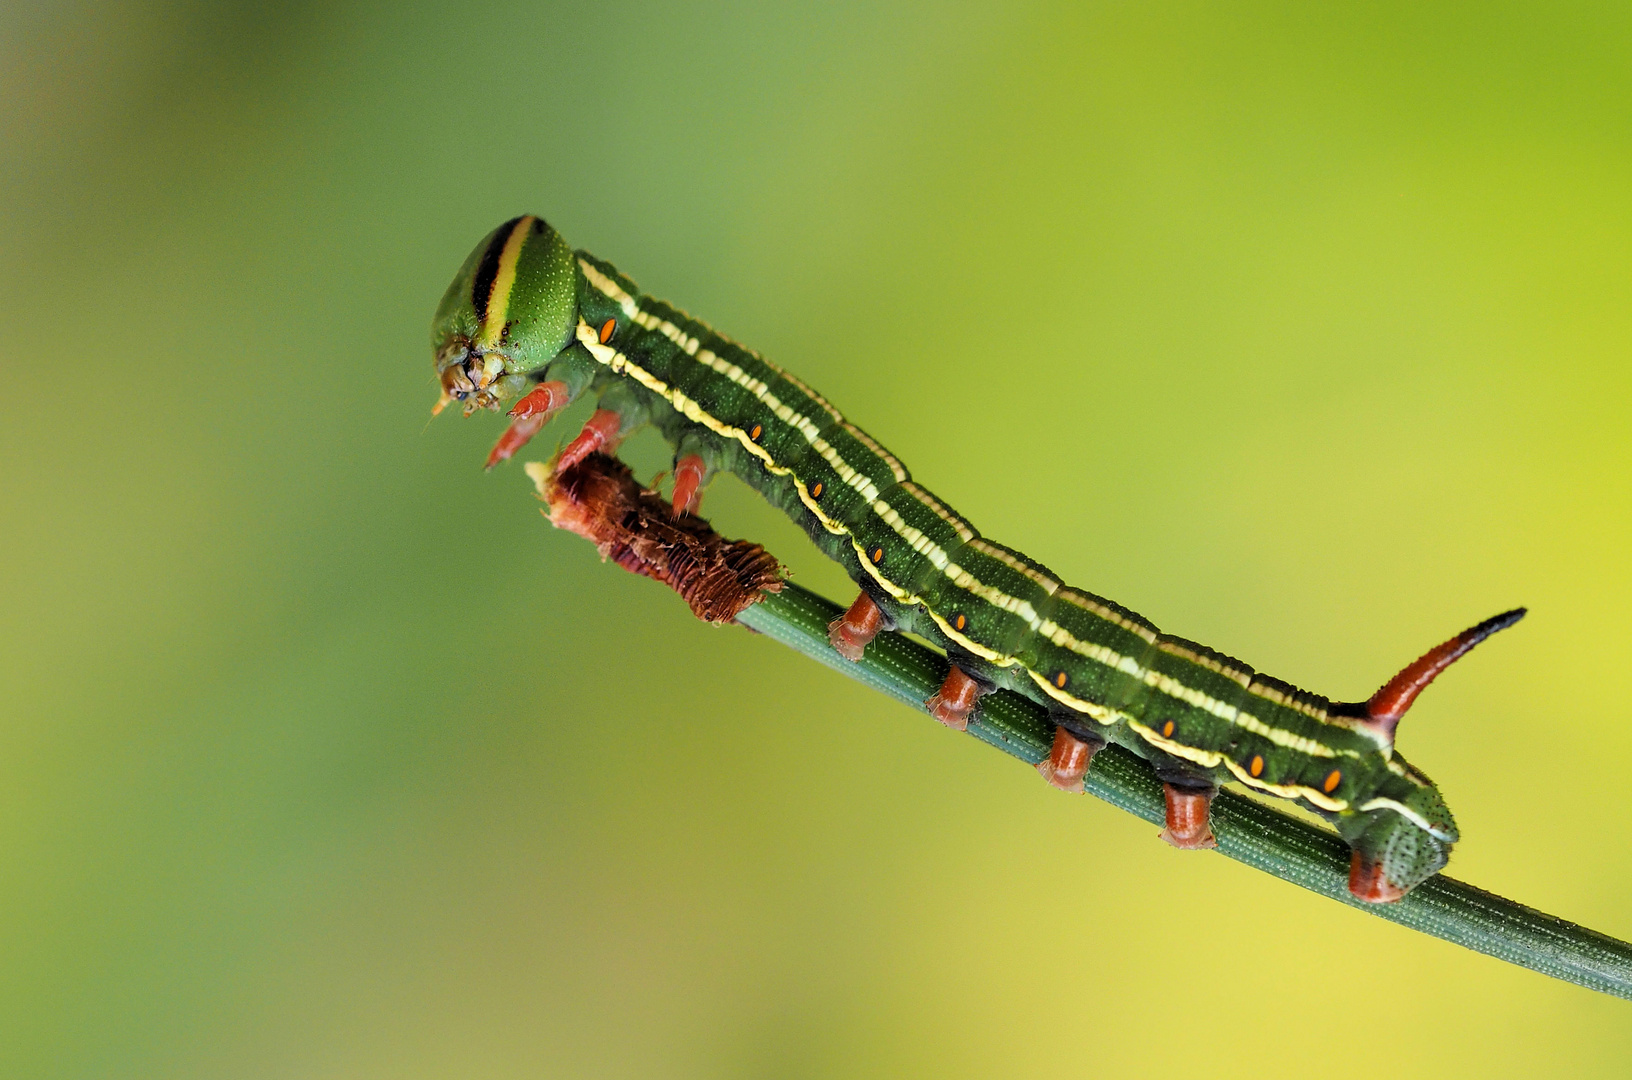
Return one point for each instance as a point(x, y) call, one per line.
point(1287, 791)
point(1099, 713)
point(609, 288)
point(693, 348)
point(498, 301)
point(1106, 716)
point(959, 576)
point(1207, 759)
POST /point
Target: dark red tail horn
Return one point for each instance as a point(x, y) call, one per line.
point(1387, 705)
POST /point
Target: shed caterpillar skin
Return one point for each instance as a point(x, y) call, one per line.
point(532, 325)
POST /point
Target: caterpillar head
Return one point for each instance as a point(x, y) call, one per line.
point(1399, 840)
point(509, 311)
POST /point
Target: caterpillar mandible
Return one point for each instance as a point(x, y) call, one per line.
point(532, 325)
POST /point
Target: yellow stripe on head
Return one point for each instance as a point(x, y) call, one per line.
point(504, 279)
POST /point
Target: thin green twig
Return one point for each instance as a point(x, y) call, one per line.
point(1248, 831)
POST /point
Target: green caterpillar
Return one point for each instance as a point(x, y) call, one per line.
point(530, 323)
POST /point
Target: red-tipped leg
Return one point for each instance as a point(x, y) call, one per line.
point(1188, 826)
point(600, 432)
point(689, 474)
point(544, 399)
point(851, 631)
point(1388, 704)
point(528, 416)
point(1067, 761)
point(514, 438)
point(955, 700)
point(1368, 883)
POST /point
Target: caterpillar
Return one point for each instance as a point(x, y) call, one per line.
point(529, 325)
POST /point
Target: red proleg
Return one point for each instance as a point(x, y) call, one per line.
point(955, 700)
point(851, 631)
point(1067, 761)
point(1368, 882)
point(1188, 809)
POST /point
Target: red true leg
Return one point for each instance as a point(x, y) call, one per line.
point(514, 438)
point(600, 432)
point(546, 398)
point(1388, 704)
point(528, 416)
point(689, 474)
point(1368, 882)
point(851, 631)
point(1188, 826)
point(955, 700)
point(1067, 762)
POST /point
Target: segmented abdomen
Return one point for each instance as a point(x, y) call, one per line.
point(1064, 646)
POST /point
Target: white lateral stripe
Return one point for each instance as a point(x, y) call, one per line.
point(1048, 584)
point(1076, 599)
point(884, 455)
point(1406, 812)
point(965, 531)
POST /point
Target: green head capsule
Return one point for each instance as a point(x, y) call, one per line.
point(509, 312)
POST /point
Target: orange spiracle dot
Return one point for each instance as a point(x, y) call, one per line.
point(608, 328)
point(1167, 730)
point(1333, 778)
point(756, 433)
point(878, 555)
point(1256, 766)
point(959, 622)
point(1059, 680)
point(816, 490)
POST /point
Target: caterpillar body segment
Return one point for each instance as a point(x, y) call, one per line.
point(526, 313)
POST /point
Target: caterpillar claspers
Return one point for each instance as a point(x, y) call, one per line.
point(530, 325)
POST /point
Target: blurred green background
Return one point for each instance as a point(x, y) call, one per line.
point(323, 756)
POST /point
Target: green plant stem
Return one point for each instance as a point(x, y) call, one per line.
point(1247, 831)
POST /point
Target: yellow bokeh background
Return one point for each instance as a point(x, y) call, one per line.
point(1303, 330)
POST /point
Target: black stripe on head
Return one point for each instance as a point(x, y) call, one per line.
point(481, 291)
